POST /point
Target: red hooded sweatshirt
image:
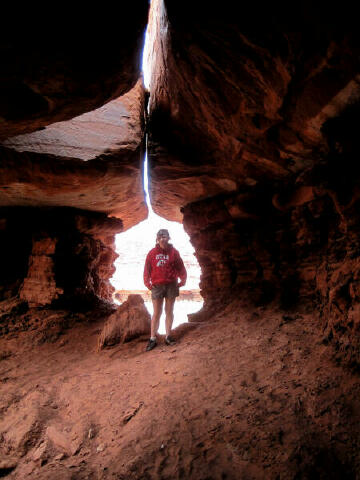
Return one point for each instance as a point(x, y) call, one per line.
point(163, 266)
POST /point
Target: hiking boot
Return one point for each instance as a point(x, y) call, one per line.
point(152, 344)
point(169, 341)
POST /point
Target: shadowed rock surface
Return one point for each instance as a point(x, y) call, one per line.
point(253, 144)
point(62, 253)
point(65, 184)
point(92, 162)
point(57, 66)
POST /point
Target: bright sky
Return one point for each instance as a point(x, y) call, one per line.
point(145, 66)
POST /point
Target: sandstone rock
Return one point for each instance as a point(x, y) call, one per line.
point(91, 162)
point(40, 452)
point(78, 269)
point(298, 196)
point(48, 169)
point(242, 106)
point(59, 457)
point(129, 321)
point(252, 142)
point(21, 432)
point(7, 306)
point(39, 287)
point(254, 145)
point(7, 465)
point(48, 76)
point(103, 131)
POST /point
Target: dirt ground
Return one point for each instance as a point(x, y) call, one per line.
point(249, 394)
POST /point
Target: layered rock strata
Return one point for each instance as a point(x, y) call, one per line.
point(92, 162)
point(68, 260)
point(39, 287)
point(231, 109)
point(92, 165)
point(252, 144)
point(61, 186)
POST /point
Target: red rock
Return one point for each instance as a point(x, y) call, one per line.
point(248, 364)
point(57, 67)
point(254, 144)
point(51, 168)
point(231, 108)
point(129, 321)
point(65, 439)
point(39, 287)
point(57, 254)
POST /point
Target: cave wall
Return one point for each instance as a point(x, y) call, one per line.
point(304, 258)
point(91, 164)
point(71, 153)
point(231, 107)
point(253, 146)
point(65, 257)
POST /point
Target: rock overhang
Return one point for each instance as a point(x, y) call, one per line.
point(55, 67)
point(71, 182)
point(240, 103)
point(91, 162)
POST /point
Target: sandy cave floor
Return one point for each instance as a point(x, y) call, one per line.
point(251, 394)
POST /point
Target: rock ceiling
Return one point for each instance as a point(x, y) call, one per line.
point(53, 153)
point(232, 109)
point(92, 162)
point(233, 106)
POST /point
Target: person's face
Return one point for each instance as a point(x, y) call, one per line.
point(163, 240)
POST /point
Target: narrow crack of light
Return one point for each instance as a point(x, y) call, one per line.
point(133, 245)
point(146, 76)
point(145, 58)
point(146, 178)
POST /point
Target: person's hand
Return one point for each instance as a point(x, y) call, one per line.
point(149, 286)
point(181, 284)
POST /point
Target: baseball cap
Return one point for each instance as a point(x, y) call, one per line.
point(162, 232)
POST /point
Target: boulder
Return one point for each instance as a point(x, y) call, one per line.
point(129, 321)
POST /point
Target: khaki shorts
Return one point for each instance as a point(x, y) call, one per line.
point(167, 290)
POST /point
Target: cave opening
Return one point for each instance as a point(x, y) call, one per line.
point(133, 245)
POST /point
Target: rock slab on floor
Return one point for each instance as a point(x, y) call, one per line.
point(129, 321)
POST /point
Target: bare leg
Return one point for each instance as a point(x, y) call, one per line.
point(169, 311)
point(158, 306)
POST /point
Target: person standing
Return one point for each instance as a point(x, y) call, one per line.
point(163, 268)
